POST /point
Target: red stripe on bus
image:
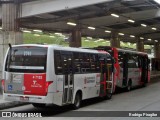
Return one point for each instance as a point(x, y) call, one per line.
point(35, 84)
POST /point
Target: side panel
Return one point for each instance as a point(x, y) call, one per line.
point(14, 83)
point(58, 94)
point(91, 86)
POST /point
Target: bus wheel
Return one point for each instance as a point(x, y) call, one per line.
point(38, 105)
point(77, 101)
point(129, 86)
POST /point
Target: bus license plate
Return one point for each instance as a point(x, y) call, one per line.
point(24, 99)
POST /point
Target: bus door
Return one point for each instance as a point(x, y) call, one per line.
point(144, 76)
point(109, 79)
point(102, 81)
point(103, 76)
point(68, 77)
point(106, 80)
point(125, 69)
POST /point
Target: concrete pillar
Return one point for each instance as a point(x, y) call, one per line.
point(115, 39)
point(157, 50)
point(10, 29)
point(75, 39)
point(140, 45)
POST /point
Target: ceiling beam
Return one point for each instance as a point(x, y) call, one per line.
point(48, 6)
point(152, 36)
point(141, 30)
point(137, 16)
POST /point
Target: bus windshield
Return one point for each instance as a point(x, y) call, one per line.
point(26, 59)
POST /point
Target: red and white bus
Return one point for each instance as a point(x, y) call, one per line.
point(50, 74)
point(131, 67)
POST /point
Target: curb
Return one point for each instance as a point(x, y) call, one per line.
point(6, 105)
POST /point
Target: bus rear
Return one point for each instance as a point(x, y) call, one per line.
point(24, 74)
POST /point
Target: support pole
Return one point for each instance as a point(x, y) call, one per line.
point(75, 39)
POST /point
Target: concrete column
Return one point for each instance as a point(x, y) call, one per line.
point(140, 45)
point(157, 50)
point(10, 29)
point(75, 39)
point(115, 39)
point(5, 38)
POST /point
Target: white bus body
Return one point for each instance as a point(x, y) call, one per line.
point(48, 74)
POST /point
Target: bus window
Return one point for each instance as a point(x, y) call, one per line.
point(57, 62)
point(66, 59)
point(97, 63)
point(27, 59)
point(86, 63)
point(77, 62)
point(133, 61)
point(121, 59)
point(93, 62)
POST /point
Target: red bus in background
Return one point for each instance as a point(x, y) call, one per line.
point(131, 67)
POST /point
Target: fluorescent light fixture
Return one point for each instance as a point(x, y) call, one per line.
point(51, 36)
point(37, 30)
point(131, 21)
point(156, 40)
point(121, 34)
point(132, 36)
point(91, 28)
point(144, 25)
point(0, 28)
point(107, 31)
point(142, 38)
point(149, 39)
point(153, 28)
point(115, 15)
point(71, 23)
point(37, 35)
point(26, 31)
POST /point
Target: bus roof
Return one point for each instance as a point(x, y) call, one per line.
point(123, 50)
point(58, 47)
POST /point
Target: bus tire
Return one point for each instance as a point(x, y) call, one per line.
point(129, 86)
point(39, 105)
point(77, 101)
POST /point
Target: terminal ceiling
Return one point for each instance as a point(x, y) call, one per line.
point(143, 12)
